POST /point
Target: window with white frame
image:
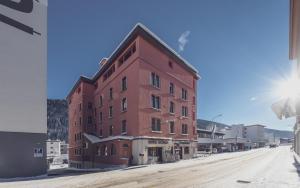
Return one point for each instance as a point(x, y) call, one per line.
point(171, 88)
point(172, 107)
point(124, 83)
point(124, 104)
point(100, 117)
point(101, 101)
point(155, 100)
point(110, 130)
point(110, 112)
point(184, 111)
point(111, 93)
point(184, 94)
point(124, 126)
point(184, 129)
point(172, 127)
point(156, 124)
point(155, 80)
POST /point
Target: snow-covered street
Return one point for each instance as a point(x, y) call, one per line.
point(266, 167)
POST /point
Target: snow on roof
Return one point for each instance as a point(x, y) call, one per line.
point(165, 45)
point(93, 139)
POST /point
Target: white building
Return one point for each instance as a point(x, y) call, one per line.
point(23, 97)
point(256, 134)
point(237, 130)
point(53, 148)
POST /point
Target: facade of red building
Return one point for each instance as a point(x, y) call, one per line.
point(139, 108)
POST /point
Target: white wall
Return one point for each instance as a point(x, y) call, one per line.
point(23, 64)
point(255, 133)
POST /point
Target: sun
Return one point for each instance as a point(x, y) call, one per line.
point(288, 88)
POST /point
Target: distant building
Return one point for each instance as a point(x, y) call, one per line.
point(256, 134)
point(139, 108)
point(206, 140)
point(53, 148)
point(235, 138)
point(64, 148)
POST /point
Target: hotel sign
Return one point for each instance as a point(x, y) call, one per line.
point(158, 142)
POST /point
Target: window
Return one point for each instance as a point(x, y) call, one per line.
point(184, 94)
point(78, 90)
point(194, 100)
point(79, 107)
point(184, 129)
point(155, 81)
point(110, 130)
point(186, 150)
point(110, 93)
point(100, 117)
point(171, 88)
point(110, 112)
point(184, 111)
point(124, 126)
point(155, 102)
point(124, 84)
point(170, 64)
point(172, 127)
point(90, 105)
point(104, 150)
point(85, 145)
point(100, 133)
point(172, 107)
point(155, 124)
point(113, 149)
point(124, 104)
point(101, 100)
point(90, 120)
point(125, 146)
point(98, 151)
point(109, 72)
point(80, 121)
point(127, 54)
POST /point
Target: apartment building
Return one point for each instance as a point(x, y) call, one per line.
point(256, 133)
point(23, 73)
point(139, 108)
point(53, 148)
point(209, 139)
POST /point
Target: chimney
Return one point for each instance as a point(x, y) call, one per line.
point(102, 62)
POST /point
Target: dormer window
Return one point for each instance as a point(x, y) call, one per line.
point(127, 54)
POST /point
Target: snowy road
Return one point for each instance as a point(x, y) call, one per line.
point(267, 167)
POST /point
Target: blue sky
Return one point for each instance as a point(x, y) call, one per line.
point(239, 47)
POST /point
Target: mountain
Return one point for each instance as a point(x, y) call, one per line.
point(280, 133)
point(205, 124)
point(57, 119)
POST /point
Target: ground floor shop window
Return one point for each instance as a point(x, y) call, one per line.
point(155, 154)
point(113, 149)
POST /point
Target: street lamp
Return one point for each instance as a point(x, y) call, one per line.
point(213, 131)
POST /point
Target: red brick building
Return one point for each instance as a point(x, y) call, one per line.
point(139, 108)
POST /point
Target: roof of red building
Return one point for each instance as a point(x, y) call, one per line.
point(138, 30)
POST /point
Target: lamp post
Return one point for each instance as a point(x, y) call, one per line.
point(213, 131)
